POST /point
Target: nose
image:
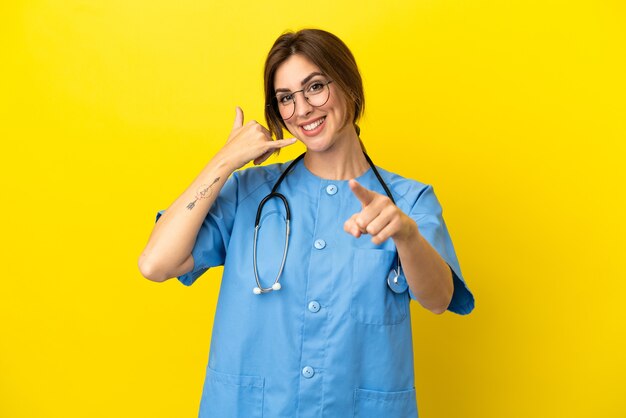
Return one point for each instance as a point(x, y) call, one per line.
point(303, 107)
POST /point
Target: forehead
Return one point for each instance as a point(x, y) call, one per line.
point(290, 73)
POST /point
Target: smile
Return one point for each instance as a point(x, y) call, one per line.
point(313, 125)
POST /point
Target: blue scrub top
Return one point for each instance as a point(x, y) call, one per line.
point(335, 341)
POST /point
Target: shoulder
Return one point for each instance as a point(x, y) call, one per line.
point(405, 190)
point(252, 179)
point(412, 196)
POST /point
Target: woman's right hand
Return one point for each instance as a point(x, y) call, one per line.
point(249, 142)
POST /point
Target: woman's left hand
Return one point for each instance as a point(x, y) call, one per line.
point(379, 217)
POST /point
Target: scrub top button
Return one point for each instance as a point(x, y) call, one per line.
point(308, 372)
point(331, 189)
point(319, 244)
point(314, 306)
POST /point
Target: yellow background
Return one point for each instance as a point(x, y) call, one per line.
point(513, 110)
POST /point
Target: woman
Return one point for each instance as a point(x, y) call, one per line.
point(321, 326)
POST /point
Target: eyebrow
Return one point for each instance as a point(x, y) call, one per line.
point(303, 82)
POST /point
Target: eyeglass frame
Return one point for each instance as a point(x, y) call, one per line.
point(293, 93)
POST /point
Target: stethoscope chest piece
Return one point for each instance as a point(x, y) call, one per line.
point(396, 282)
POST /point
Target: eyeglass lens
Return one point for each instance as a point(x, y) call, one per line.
point(316, 94)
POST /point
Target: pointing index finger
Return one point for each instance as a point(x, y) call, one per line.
point(364, 195)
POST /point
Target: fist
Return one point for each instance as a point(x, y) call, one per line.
point(379, 217)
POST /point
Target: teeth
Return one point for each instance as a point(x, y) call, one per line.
point(313, 125)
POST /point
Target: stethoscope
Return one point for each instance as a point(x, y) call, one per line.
point(393, 279)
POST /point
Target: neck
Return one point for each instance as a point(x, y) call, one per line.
point(343, 161)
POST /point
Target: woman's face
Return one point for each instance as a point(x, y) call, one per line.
point(319, 128)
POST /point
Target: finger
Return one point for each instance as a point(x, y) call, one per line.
point(281, 143)
point(384, 218)
point(371, 212)
point(273, 146)
point(348, 225)
point(264, 131)
point(238, 118)
point(355, 218)
point(387, 232)
point(254, 126)
point(262, 158)
point(352, 228)
point(364, 195)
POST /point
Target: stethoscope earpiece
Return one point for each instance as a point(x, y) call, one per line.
point(257, 290)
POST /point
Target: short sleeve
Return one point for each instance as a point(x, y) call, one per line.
point(427, 213)
point(213, 237)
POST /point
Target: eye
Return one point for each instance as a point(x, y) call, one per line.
point(285, 99)
point(316, 87)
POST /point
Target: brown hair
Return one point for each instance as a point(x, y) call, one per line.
point(331, 55)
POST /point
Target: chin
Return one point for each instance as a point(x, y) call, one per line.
point(320, 144)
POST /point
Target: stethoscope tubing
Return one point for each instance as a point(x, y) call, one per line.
point(274, 194)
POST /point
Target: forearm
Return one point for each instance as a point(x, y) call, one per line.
point(173, 236)
point(427, 274)
point(168, 252)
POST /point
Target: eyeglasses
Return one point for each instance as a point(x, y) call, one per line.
point(316, 94)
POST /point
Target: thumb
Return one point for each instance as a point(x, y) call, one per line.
point(364, 195)
point(238, 118)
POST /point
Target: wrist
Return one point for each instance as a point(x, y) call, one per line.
point(224, 164)
point(409, 234)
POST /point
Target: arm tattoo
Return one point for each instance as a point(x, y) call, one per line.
point(203, 192)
